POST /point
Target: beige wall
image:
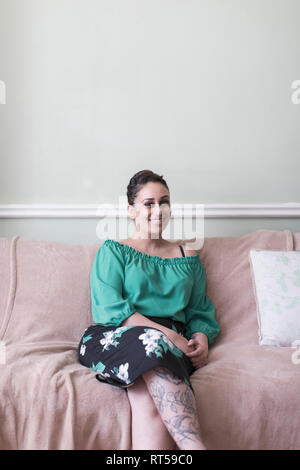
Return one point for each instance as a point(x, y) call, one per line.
point(199, 91)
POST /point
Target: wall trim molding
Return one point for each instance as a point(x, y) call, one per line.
point(98, 211)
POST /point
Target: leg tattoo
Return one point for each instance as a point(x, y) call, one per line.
point(176, 404)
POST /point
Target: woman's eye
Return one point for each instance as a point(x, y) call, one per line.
point(162, 204)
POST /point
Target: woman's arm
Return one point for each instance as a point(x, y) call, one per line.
point(137, 319)
point(200, 311)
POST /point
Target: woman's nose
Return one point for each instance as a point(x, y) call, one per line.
point(156, 211)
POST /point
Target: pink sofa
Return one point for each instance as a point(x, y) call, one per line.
point(247, 394)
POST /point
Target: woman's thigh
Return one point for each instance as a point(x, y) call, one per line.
point(140, 398)
point(145, 416)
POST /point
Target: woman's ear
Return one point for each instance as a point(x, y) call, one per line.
point(131, 211)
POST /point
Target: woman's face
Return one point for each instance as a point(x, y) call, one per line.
point(151, 210)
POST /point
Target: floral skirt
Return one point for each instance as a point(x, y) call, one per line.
point(121, 354)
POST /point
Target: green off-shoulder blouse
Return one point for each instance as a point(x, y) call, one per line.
point(125, 280)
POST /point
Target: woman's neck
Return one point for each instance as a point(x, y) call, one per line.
point(148, 244)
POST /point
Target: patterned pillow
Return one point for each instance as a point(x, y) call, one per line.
point(276, 283)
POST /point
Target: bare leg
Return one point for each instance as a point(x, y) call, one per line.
point(147, 428)
point(176, 404)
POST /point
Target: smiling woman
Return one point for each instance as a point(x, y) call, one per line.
point(148, 300)
point(149, 205)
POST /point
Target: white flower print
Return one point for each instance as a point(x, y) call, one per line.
point(150, 347)
point(100, 368)
point(156, 341)
point(168, 341)
point(111, 335)
point(123, 372)
point(104, 375)
point(82, 349)
point(150, 336)
point(150, 339)
point(121, 329)
point(108, 340)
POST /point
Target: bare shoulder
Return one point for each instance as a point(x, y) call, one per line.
point(190, 252)
point(187, 252)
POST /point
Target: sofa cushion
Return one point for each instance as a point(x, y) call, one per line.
point(246, 394)
point(276, 286)
point(229, 284)
point(48, 399)
point(51, 402)
point(7, 285)
point(296, 236)
point(49, 293)
point(247, 398)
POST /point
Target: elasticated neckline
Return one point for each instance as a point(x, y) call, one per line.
point(154, 259)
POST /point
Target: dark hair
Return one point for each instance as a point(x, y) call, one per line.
point(138, 180)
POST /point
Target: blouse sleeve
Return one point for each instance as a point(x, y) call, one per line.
point(109, 307)
point(200, 311)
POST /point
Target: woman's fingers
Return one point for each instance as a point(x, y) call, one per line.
point(199, 356)
point(198, 360)
point(196, 352)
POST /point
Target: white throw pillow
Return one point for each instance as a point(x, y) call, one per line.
point(276, 283)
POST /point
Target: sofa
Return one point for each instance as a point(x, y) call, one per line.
point(247, 395)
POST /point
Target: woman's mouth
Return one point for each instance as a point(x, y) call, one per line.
point(155, 221)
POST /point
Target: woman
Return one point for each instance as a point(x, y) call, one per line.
point(153, 322)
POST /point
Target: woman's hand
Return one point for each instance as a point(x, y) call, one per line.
point(199, 356)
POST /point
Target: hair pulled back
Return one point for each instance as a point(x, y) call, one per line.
point(139, 180)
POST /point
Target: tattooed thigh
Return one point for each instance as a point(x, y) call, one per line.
point(167, 374)
point(175, 402)
point(175, 398)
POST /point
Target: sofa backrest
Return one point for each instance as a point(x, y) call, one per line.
point(45, 286)
point(229, 284)
point(47, 290)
